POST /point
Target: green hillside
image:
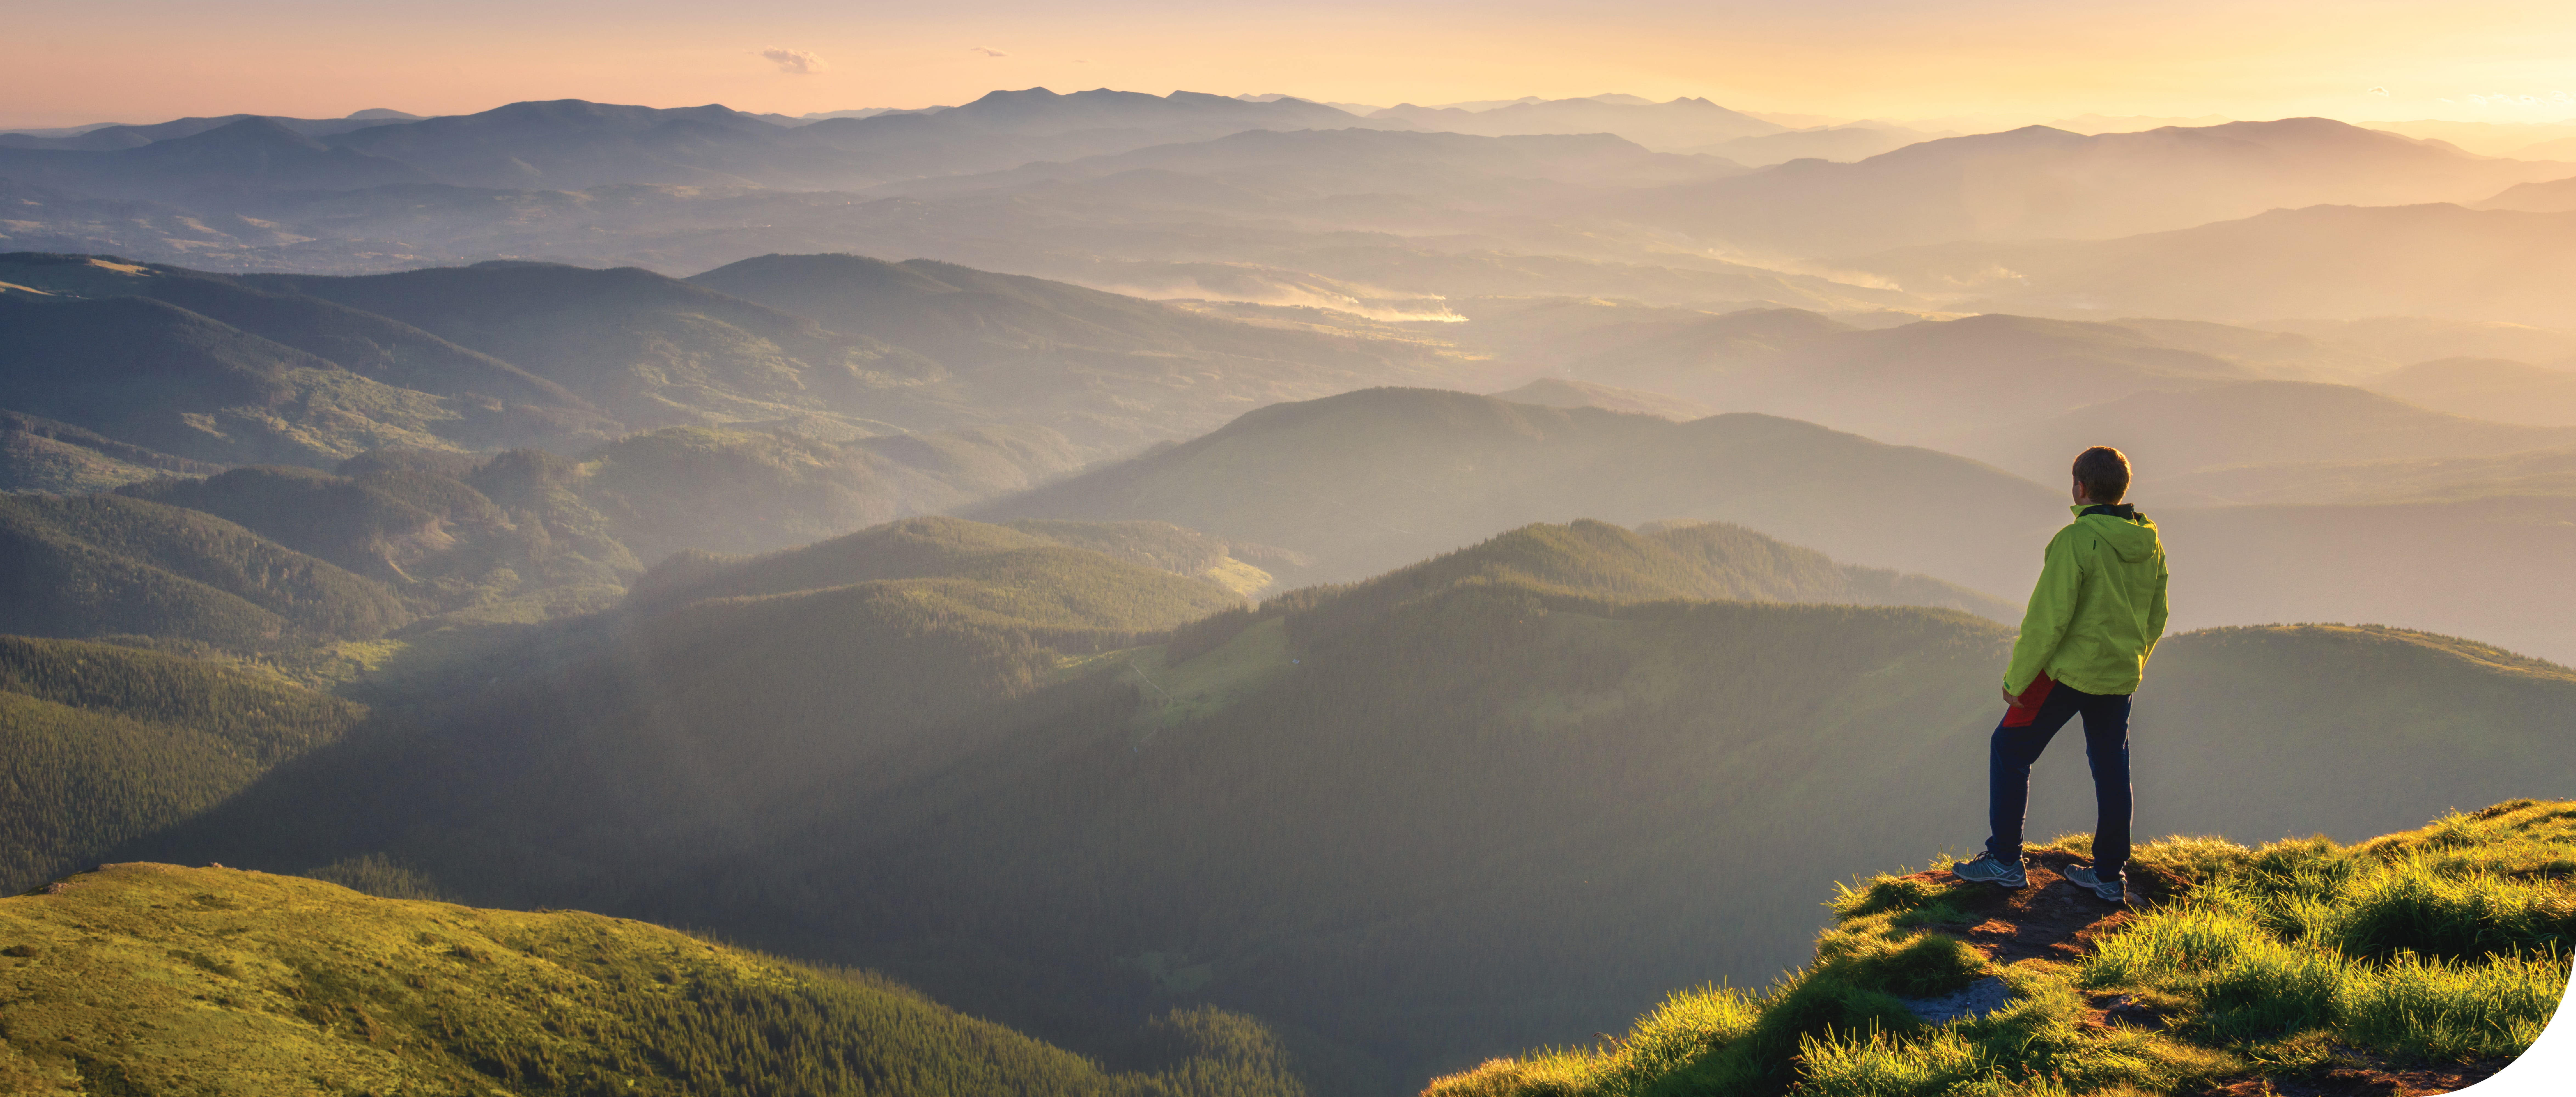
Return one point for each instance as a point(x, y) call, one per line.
point(421, 522)
point(2253, 423)
point(152, 978)
point(364, 343)
point(105, 744)
point(155, 375)
point(651, 351)
point(1094, 366)
point(2413, 962)
point(738, 490)
point(1377, 479)
point(38, 454)
point(103, 565)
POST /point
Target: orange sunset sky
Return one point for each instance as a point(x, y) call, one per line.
point(2000, 60)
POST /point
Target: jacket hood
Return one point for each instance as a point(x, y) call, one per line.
point(2131, 535)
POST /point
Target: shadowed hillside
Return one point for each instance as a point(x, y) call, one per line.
point(38, 454)
point(105, 744)
point(154, 977)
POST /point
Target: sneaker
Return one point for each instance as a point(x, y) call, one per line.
point(2113, 890)
point(1985, 868)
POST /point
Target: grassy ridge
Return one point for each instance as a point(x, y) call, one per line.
point(2281, 964)
point(104, 744)
point(146, 978)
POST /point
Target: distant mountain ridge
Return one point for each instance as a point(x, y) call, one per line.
point(2039, 183)
point(2327, 262)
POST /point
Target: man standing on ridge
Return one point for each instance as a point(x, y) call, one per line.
point(2092, 622)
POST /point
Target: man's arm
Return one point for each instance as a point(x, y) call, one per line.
point(2156, 610)
point(2052, 609)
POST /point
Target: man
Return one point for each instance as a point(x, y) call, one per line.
point(2092, 622)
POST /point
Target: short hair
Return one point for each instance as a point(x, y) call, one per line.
point(2104, 472)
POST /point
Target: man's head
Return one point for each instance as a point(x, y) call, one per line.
point(2101, 475)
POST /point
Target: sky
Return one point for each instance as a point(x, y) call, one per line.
point(151, 60)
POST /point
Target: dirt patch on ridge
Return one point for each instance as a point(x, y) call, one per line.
point(2052, 919)
point(2049, 920)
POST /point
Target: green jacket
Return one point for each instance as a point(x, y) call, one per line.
point(2098, 609)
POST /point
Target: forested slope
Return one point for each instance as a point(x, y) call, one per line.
point(101, 744)
point(103, 565)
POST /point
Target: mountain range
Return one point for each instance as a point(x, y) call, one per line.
point(1275, 200)
point(1115, 614)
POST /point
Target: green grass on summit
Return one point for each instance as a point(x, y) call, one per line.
point(2299, 962)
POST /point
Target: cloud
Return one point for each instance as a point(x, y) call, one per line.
point(2380, 92)
point(986, 51)
point(799, 62)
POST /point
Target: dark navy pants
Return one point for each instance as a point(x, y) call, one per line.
point(2047, 706)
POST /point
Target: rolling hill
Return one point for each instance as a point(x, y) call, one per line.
point(2251, 423)
point(153, 977)
point(652, 351)
point(1919, 383)
point(2488, 388)
point(152, 374)
point(38, 454)
point(103, 565)
point(1367, 480)
point(933, 385)
point(1091, 365)
point(2325, 262)
point(2476, 560)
